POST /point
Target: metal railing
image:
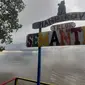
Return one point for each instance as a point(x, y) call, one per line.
point(6, 82)
point(24, 79)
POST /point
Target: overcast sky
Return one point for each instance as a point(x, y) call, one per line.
point(37, 10)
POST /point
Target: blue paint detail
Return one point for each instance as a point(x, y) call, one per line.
point(39, 64)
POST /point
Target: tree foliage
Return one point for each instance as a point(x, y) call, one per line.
point(9, 22)
point(2, 48)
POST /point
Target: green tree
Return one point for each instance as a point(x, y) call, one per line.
point(2, 48)
point(9, 21)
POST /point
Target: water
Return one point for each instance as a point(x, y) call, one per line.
point(60, 65)
point(17, 65)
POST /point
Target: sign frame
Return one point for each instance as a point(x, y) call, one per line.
point(58, 37)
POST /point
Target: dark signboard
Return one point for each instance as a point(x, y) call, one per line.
point(56, 19)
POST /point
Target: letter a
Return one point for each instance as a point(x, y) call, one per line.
point(54, 39)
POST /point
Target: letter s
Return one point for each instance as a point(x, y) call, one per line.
point(29, 40)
